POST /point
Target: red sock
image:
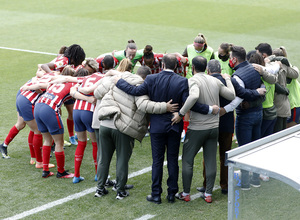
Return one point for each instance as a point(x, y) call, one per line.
point(95, 148)
point(185, 125)
point(70, 125)
point(30, 143)
point(11, 134)
point(78, 156)
point(46, 157)
point(37, 145)
point(60, 160)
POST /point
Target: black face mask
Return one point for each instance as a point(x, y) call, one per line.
point(224, 57)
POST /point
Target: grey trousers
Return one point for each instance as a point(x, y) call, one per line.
point(194, 140)
point(111, 140)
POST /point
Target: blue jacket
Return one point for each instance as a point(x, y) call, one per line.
point(163, 87)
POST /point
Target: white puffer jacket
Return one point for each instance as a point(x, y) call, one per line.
point(128, 112)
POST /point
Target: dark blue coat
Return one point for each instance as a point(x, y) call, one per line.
point(163, 87)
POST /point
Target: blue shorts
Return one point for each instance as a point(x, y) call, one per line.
point(47, 119)
point(25, 108)
point(83, 120)
point(295, 115)
point(70, 102)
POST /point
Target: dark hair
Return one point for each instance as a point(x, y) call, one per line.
point(238, 52)
point(75, 53)
point(148, 54)
point(108, 62)
point(131, 45)
point(81, 72)
point(199, 63)
point(226, 47)
point(264, 48)
point(62, 50)
point(257, 58)
point(143, 71)
point(250, 53)
point(214, 66)
point(170, 61)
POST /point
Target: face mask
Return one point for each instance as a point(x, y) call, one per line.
point(223, 57)
point(231, 63)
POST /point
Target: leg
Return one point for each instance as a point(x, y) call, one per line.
point(158, 144)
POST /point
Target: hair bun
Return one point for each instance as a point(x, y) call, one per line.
point(131, 41)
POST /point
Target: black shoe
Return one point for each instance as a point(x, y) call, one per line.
point(3, 151)
point(47, 174)
point(110, 183)
point(122, 195)
point(65, 174)
point(156, 200)
point(101, 192)
point(201, 189)
point(127, 186)
point(171, 198)
point(224, 191)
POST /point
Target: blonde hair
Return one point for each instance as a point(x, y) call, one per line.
point(125, 65)
point(200, 39)
point(68, 71)
point(281, 51)
point(92, 63)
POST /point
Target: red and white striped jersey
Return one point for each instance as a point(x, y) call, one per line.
point(99, 60)
point(60, 62)
point(181, 68)
point(87, 82)
point(32, 95)
point(156, 67)
point(56, 95)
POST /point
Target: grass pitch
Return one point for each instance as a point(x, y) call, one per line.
point(100, 27)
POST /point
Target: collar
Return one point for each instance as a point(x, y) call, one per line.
point(245, 63)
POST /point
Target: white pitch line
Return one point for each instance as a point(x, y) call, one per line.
point(72, 197)
point(145, 217)
point(28, 51)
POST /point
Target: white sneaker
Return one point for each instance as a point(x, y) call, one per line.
point(264, 178)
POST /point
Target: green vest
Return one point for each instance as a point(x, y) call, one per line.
point(269, 102)
point(225, 68)
point(294, 96)
point(192, 53)
point(120, 55)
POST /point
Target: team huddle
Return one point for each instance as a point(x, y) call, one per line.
point(189, 97)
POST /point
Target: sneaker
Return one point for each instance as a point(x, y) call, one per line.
point(201, 189)
point(207, 199)
point(47, 174)
point(73, 141)
point(186, 198)
point(77, 179)
point(101, 192)
point(127, 186)
point(4, 152)
point(122, 195)
point(75, 136)
point(40, 165)
point(255, 183)
point(245, 187)
point(65, 174)
point(32, 161)
point(110, 182)
point(67, 144)
point(264, 178)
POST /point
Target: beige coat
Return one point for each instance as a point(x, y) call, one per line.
point(281, 101)
point(206, 90)
point(128, 112)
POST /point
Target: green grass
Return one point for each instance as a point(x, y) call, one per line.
point(100, 27)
